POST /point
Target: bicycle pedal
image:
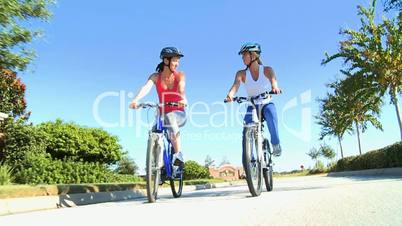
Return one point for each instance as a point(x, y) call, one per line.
point(178, 163)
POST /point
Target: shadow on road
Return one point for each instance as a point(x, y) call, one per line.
point(367, 177)
point(212, 193)
point(242, 192)
point(295, 188)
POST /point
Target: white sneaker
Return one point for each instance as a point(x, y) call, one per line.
point(177, 159)
point(177, 170)
point(277, 150)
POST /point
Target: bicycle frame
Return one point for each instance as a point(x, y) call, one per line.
point(257, 123)
point(159, 155)
point(167, 145)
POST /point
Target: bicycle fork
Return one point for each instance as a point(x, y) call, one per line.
point(258, 136)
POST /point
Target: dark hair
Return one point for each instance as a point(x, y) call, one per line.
point(159, 68)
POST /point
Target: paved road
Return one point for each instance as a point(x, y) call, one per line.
point(313, 200)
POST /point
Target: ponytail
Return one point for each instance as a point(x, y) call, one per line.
point(159, 68)
point(257, 55)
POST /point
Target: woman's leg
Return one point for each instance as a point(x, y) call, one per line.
point(248, 118)
point(270, 116)
point(174, 120)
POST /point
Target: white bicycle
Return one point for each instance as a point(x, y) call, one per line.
point(257, 150)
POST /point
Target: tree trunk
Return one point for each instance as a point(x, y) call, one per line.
point(394, 99)
point(340, 144)
point(2, 141)
point(358, 137)
point(2, 145)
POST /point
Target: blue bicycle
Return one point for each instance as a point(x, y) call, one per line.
point(159, 166)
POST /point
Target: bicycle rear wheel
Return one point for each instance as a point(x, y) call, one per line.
point(176, 183)
point(153, 171)
point(251, 163)
point(269, 182)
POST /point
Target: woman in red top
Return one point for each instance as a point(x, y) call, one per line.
point(170, 85)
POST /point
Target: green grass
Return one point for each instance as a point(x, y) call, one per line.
point(17, 191)
point(291, 174)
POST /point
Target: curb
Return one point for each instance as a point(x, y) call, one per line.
point(29, 204)
point(392, 172)
point(217, 185)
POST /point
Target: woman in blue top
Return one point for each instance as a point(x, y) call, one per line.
point(258, 79)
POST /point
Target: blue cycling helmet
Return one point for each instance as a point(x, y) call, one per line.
point(169, 52)
point(250, 47)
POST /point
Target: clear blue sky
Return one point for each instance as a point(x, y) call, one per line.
point(92, 47)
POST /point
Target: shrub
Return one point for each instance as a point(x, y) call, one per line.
point(84, 156)
point(390, 156)
point(318, 168)
point(41, 169)
point(20, 139)
point(68, 140)
point(319, 165)
point(126, 165)
point(193, 170)
point(5, 174)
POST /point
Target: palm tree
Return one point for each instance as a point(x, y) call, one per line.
point(360, 103)
point(327, 152)
point(332, 119)
point(314, 155)
point(375, 51)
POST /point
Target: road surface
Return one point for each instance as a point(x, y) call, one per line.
point(314, 200)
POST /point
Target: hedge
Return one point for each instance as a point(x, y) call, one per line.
point(72, 141)
point(41, 169)
point(387, 157)
point(193, 170)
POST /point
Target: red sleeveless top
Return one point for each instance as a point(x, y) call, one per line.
point(169, 95)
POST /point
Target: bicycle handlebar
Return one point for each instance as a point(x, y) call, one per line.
point(155, 105)
point(244, 99)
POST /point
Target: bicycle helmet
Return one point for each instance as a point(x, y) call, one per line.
point(169, 52)
point(250, 47)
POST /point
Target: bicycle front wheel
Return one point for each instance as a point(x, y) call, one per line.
point(176, 182)
point(251, 162)
point(153, 171)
